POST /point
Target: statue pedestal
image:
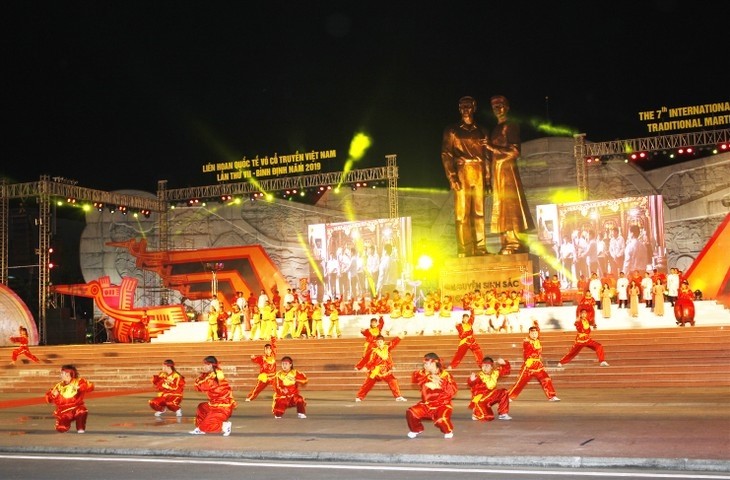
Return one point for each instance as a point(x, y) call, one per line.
point(490, 272)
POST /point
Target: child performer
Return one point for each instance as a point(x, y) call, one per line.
point(533, 366)
point(334, 329)
point(467, 341)
point(317, 315)
point(303, 315)
point(370, 334)
point(236, 322)
point(170, 385)
point(380, 367)
point(212, 334)
point(484, 391)
point(286, 389)
point(583, 339)
point(437, 390)
point(68, 395)
point(214, 415)
point(22, 339)
point(287, 325)
point(267, 369)
point(256, 321)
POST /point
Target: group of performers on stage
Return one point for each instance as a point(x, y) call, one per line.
point(303, 317)
point(435, 381)
point(652, 288)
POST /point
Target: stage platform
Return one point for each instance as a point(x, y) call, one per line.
point(708, 312)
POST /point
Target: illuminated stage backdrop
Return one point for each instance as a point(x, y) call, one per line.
point(567, 232)
point(341, 253)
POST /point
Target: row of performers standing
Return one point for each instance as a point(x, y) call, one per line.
point(653, 290)
point(305, 316)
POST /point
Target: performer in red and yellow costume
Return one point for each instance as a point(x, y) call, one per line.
point(170, 385)
point(267, 369)
point(583, 339)
point(467, 341)
point(213, 416)
point(286, 389)
point(408, 306)
point(588, 304)
point(22, 339)
point(68, 396)
point(380, 368)
point(533, 367)
point(484, 391)
point(551, 287)
point(429, 306)
point(370, 334)
point(447, 306)
point(438, 388)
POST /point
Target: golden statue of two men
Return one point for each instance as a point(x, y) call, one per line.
point(477, 161)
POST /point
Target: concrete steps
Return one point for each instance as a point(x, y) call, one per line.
point(653, 357)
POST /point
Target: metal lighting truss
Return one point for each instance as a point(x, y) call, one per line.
point(279, 184)
point(583, 150)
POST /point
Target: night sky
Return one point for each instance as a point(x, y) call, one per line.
point(119, 95)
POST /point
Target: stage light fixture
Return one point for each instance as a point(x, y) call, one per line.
point(123, 209)
point(638, 156)
point(193, 202)
point(99, 206)
point(71, 200)
point(226, 198)
point(51, 263)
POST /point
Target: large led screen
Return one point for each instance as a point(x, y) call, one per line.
point(358, 259)
point(601, 236)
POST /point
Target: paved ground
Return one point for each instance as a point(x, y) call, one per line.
point(682, 429)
